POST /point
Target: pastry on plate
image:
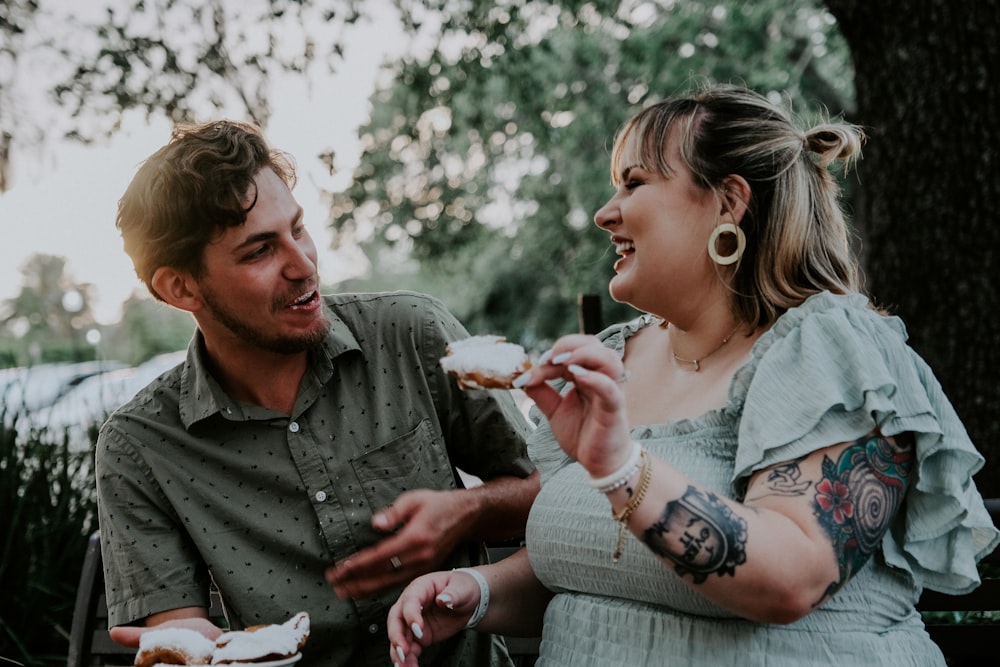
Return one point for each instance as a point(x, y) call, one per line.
point(174, 646)
point(257, 644)
point(262, 643)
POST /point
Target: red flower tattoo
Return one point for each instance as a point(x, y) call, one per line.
point(833, 497)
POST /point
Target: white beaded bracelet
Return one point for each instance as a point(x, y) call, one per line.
point(620, 477)
point(484, 595)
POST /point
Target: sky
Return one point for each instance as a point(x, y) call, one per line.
point(63, 202)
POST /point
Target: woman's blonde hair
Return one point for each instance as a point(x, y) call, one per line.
point(797, 241)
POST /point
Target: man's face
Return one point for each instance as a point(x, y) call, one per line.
point(260, 285)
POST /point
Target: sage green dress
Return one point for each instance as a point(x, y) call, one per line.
point(829, 371)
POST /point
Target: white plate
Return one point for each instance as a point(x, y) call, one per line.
point(270, 663)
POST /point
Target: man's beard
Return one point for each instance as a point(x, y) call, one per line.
point(250, 334)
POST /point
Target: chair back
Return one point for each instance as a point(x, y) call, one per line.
point(89, 642)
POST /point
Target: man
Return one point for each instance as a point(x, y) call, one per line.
point(307, 442)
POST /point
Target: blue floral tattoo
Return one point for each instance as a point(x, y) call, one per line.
point(858, 496)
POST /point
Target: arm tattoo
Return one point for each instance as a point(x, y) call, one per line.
point(700, 534)
point(783, 480)
point(858, 496)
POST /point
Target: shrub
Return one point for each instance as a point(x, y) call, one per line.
point(47, 510)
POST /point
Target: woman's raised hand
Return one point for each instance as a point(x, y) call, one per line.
point(588, 419)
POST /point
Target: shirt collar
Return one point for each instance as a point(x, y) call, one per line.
point(201, 396)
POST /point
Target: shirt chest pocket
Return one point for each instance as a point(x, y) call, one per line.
point(416, 460)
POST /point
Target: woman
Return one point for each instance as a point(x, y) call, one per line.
point(758, 470)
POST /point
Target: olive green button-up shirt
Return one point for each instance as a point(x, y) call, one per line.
point(195, 487)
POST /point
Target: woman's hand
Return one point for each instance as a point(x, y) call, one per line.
point(431, 609)
point(588, 419)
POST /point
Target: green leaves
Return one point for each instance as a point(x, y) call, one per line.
point(494, 146)
point(489, 147)
point(48, 505)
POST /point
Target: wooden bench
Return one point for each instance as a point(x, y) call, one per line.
point(966, 627)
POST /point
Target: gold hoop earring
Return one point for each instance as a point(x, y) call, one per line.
point(713, 239)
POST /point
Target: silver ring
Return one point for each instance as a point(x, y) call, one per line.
point(395, 563)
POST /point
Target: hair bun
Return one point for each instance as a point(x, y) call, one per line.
point(832, 142)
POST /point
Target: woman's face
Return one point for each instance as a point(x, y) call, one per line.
point(660, 227)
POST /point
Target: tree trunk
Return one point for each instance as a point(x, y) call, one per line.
point(928, 98)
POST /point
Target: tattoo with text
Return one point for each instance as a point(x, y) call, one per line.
point(858, 496)
point(700, 534)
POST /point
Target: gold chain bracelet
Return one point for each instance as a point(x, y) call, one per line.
point(645, 475)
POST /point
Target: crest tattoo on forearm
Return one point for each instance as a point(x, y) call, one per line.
point(858, 496)
point(700, 534)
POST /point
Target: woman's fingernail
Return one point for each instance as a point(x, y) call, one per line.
point(544, 359)
point(447, 600)
point(561, 358)
point(521, 380)
point(399, 652)
point(576, 370)
point(417, 631)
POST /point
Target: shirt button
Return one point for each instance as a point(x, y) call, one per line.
point(372, 628)
point(320, 496)
point(294, 427)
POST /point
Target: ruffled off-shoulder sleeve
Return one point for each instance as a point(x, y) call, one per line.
point(834, 370)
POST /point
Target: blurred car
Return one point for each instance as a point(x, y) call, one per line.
point(81, 408)
point(31, 388)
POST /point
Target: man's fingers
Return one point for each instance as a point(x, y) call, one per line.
point(126, 635)
point(368, 572)
point(386, 520)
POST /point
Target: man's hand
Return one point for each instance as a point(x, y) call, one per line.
point(427, 524)
point(194, 618)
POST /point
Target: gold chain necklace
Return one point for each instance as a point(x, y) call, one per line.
point(697, 362)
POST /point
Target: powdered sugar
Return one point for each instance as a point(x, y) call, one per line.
point(269, 640)
point(480, 358)
point(246, 646)
point(195, 646)
point(278, 644)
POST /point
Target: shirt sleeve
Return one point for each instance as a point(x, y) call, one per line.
point(835, 370)
point(485, 430)
point(149, 564)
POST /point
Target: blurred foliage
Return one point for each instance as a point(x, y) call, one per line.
point(147, 328)
point(486, 152)
point(48, 505)
point(178, 58)
point(49, 319)
point(75, 69)
point(487, 155)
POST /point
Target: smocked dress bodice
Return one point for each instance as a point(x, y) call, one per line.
point(830, 371)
